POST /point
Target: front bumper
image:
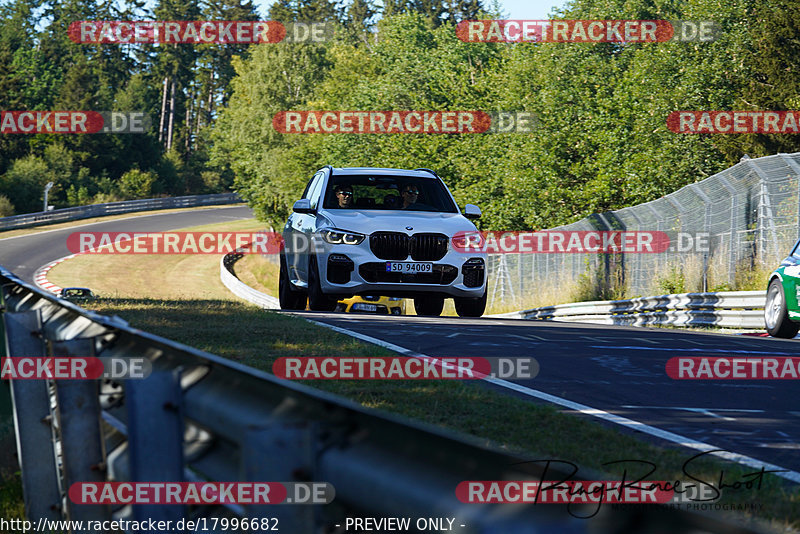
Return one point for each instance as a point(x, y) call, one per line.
point(355, 270)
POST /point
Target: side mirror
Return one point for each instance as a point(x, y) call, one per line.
point(471, 211)
point(303, 206)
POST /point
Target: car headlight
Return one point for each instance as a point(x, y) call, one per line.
point(340, 237)
point(471, 241)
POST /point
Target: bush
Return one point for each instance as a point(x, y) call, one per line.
point(673, 282)
point(6, 207)
point(137, 184)
point(603, 280)
point(105, 198)
point(79, 196)
point(24, 183)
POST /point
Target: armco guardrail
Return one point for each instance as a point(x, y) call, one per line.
point(730, 309)
point(200, 417)
point(115, 208)
point(229, 279)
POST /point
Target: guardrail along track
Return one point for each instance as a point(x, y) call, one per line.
point(731, 309)
point(115, 208)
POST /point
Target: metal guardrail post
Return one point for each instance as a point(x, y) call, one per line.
point(32, 420)
point(82, 447)
point(281, 451)
point(734, 236)
point(697, 190)
point(155, 437)
point(765, 213)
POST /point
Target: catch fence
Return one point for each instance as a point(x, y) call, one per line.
point(749, 216)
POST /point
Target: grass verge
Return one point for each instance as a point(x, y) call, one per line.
point(171, 276)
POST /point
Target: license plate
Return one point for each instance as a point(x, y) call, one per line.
point(365, 307)
point(408, 267)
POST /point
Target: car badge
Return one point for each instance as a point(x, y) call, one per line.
point(409, 227)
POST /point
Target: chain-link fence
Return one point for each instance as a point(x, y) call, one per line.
point(750, 214)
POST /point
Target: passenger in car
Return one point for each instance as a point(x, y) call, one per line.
point(344, 194)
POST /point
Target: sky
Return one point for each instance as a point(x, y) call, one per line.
point(516, 9)
point(530, 9)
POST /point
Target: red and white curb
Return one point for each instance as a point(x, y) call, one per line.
point(40, 277)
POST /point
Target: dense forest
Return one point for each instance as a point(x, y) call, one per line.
point(601, 140)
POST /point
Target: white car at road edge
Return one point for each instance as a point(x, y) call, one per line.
point(375, 231)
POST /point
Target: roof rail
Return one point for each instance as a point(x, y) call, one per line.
point(328, 167)
point(428, 170)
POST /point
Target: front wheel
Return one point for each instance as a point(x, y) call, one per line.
point(317, 300)
point(429, 306)
point(776, 315)
point(288, 297)
point(470, 307)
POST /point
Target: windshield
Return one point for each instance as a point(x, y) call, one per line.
point(388, 193)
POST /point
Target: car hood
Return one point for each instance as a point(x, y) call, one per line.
point(369, 221)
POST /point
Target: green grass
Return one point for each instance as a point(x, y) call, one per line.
point(171, 276)
point(255, 337)
point(11, 504)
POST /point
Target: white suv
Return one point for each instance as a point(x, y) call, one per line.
point(369, 231)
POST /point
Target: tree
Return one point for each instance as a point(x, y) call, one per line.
point(273, 79)
point(137, 184)
point(774, 30)
point(174, 67)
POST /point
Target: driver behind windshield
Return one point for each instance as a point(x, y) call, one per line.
point(410, 194)
point(344, 195)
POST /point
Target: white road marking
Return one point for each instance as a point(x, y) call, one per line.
point(788, 474)
point(704, 411)
point(675, 349)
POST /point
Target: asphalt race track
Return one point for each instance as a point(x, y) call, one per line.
point(24, 254)
point(621, 370)
point(617, 370)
